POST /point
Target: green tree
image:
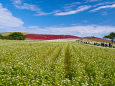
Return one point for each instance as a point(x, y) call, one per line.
point(110, 36)
point(16, 36)
point(1, 37)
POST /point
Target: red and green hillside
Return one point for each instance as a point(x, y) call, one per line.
point(31, 36)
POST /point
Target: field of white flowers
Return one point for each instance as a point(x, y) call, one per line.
point(34, 63)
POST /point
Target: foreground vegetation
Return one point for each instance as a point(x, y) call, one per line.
point(32, 63)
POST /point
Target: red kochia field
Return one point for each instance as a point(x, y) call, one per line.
point(50, 37)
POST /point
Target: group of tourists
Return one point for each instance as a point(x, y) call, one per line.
point(103, 44)
point(97, 43)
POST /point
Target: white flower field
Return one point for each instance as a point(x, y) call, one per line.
point(34, 63)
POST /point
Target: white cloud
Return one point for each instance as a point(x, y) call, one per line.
point(17, 1)
point(89, 30)
point(103, 7)
point(79, 9)
point(82, 31)
point(68, 7)
point(8, 20)
point(105, 3)
point(25, 6)
point(92, 0)
point(28, 7)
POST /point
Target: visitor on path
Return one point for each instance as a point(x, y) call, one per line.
point(97, 44)
point(106, 45)
point(102, 44)
point(110, 45)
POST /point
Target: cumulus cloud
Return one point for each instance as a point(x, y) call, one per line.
point(7, 19)
point(79, 9)
point(89, 30)
point(82, 31)
point(103, 7)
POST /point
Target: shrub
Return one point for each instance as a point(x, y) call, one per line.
point(1, 37)
point(16, 36)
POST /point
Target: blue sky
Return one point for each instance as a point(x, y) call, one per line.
point(68, 17)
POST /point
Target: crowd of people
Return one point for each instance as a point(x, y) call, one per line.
point(97, 43)
point(103, 44)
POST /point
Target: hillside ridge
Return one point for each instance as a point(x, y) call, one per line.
point(33, 36)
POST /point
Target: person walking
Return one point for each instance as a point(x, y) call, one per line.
point(110, 45)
